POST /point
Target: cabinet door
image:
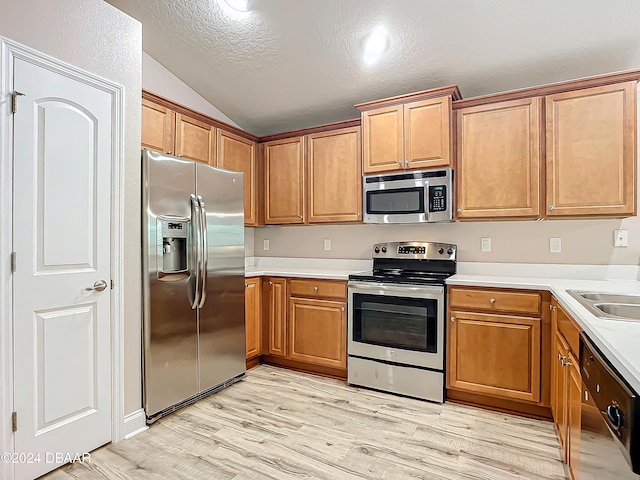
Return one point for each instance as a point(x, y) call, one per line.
point(560, 391)
point(284, 189)
point(573, 407)
point(495, 355)
point(239, 155)
point(158, 126)
point(195, 140)
point(427, 133)
point(335, 176)
point(253, 318)
point(277, 316)
point(382, 139)
point(591, 151)
point(498, 147)
point(318, 332)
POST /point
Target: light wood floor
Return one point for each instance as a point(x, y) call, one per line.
point(279, 424)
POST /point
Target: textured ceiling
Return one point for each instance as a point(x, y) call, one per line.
point(291, 64)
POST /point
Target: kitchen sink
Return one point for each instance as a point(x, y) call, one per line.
point(618, 306)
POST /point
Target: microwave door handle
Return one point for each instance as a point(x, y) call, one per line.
point(205, 251)
point(427, 214)
point(195, 239)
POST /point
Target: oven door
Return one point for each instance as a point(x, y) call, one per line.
point(397, 323)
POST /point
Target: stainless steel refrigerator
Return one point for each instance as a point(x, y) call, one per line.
point(193, 281)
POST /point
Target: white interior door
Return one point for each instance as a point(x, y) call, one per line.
point(62, 177)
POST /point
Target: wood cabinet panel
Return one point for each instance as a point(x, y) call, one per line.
point(498, 160)
point(276, 315)
point(573, 420)
point(569, 330)
point(427, 133)
point(317, 288)
point(559, 391)
point(195, 140)
point(494, 300)
point(253, 316)
point(382, 134)
point(285, 183)
point(497, 355)
point(591, 157)
point(158, 127)
point(239, 155)
point(318, 331)
point(334, 166)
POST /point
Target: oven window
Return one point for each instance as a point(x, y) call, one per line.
point(395, 201)
point(396, 322)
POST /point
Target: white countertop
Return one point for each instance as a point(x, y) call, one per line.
point(619, 340)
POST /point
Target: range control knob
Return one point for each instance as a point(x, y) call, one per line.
point(615, 415)
point(441, 250)
point(377, 250)
point(384, 249)
point(450, 251)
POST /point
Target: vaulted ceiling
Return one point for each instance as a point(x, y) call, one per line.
point(290, 64)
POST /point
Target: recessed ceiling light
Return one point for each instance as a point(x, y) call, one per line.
point(374, 45)
point(239, 5)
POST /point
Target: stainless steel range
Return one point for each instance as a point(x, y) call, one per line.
point(396, 319)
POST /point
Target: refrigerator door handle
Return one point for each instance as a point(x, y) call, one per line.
point(205, 251)
point(197, 241)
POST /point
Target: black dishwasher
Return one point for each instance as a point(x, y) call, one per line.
point(610, 429)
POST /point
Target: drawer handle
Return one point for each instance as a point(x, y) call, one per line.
point(315, 289)
point(492, 300)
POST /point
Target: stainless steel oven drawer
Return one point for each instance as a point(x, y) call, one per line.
point(404, 380)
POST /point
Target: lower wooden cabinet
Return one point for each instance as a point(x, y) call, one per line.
point(253, 316)
point(275, 300)
point(566, 391)
point(497, 355)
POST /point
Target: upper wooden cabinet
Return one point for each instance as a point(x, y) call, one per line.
point(335, 176)
point(408, 132)
point(591, 151)
point(239, 155)
point(195, 140)
point(284, 181)
point(158, 127)
point(498, 160)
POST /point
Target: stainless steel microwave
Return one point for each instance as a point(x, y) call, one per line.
point(409, 197)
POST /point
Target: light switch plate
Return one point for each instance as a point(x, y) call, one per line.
point(621, 238)
point(327, 244)
point(555, 244)
point(265, 245)
point(485, 243)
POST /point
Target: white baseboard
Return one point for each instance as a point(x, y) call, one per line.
point(134, 423)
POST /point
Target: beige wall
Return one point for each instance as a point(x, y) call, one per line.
point(583, 241)
point(96, 37)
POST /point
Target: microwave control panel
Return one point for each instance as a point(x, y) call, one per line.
point(437, 198)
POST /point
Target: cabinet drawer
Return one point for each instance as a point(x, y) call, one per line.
point(494, 300)
point(317, 288)
point(569, 330)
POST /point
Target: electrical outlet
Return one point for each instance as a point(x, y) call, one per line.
point(327, 244)
point(485, 244)
point(555, 244)
point(621, 238)
point(265, 245)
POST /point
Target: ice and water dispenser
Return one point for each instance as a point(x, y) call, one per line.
point(174, 245)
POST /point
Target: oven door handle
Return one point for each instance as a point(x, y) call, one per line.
point(386, 287)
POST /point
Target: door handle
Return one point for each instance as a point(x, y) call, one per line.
point(195, 222)
point(99, 286)
point(205, 253)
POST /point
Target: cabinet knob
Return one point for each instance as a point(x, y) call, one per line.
point(550, 207)
point(180, 156)
point(342, 309)
point(300, 217)
point(406, 163)
point(270, 282)
point(492, 300)
point(552, 308)
point(315, 289)
point(246, 284)
point(453, 319)
point(565, 362)
point(169, 152)
point(358, 215)
point(459, 210)
point(400, 162)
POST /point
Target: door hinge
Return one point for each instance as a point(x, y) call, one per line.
point(112, 284)
point(14, 421)
point(13, 262)
point(14, 100)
